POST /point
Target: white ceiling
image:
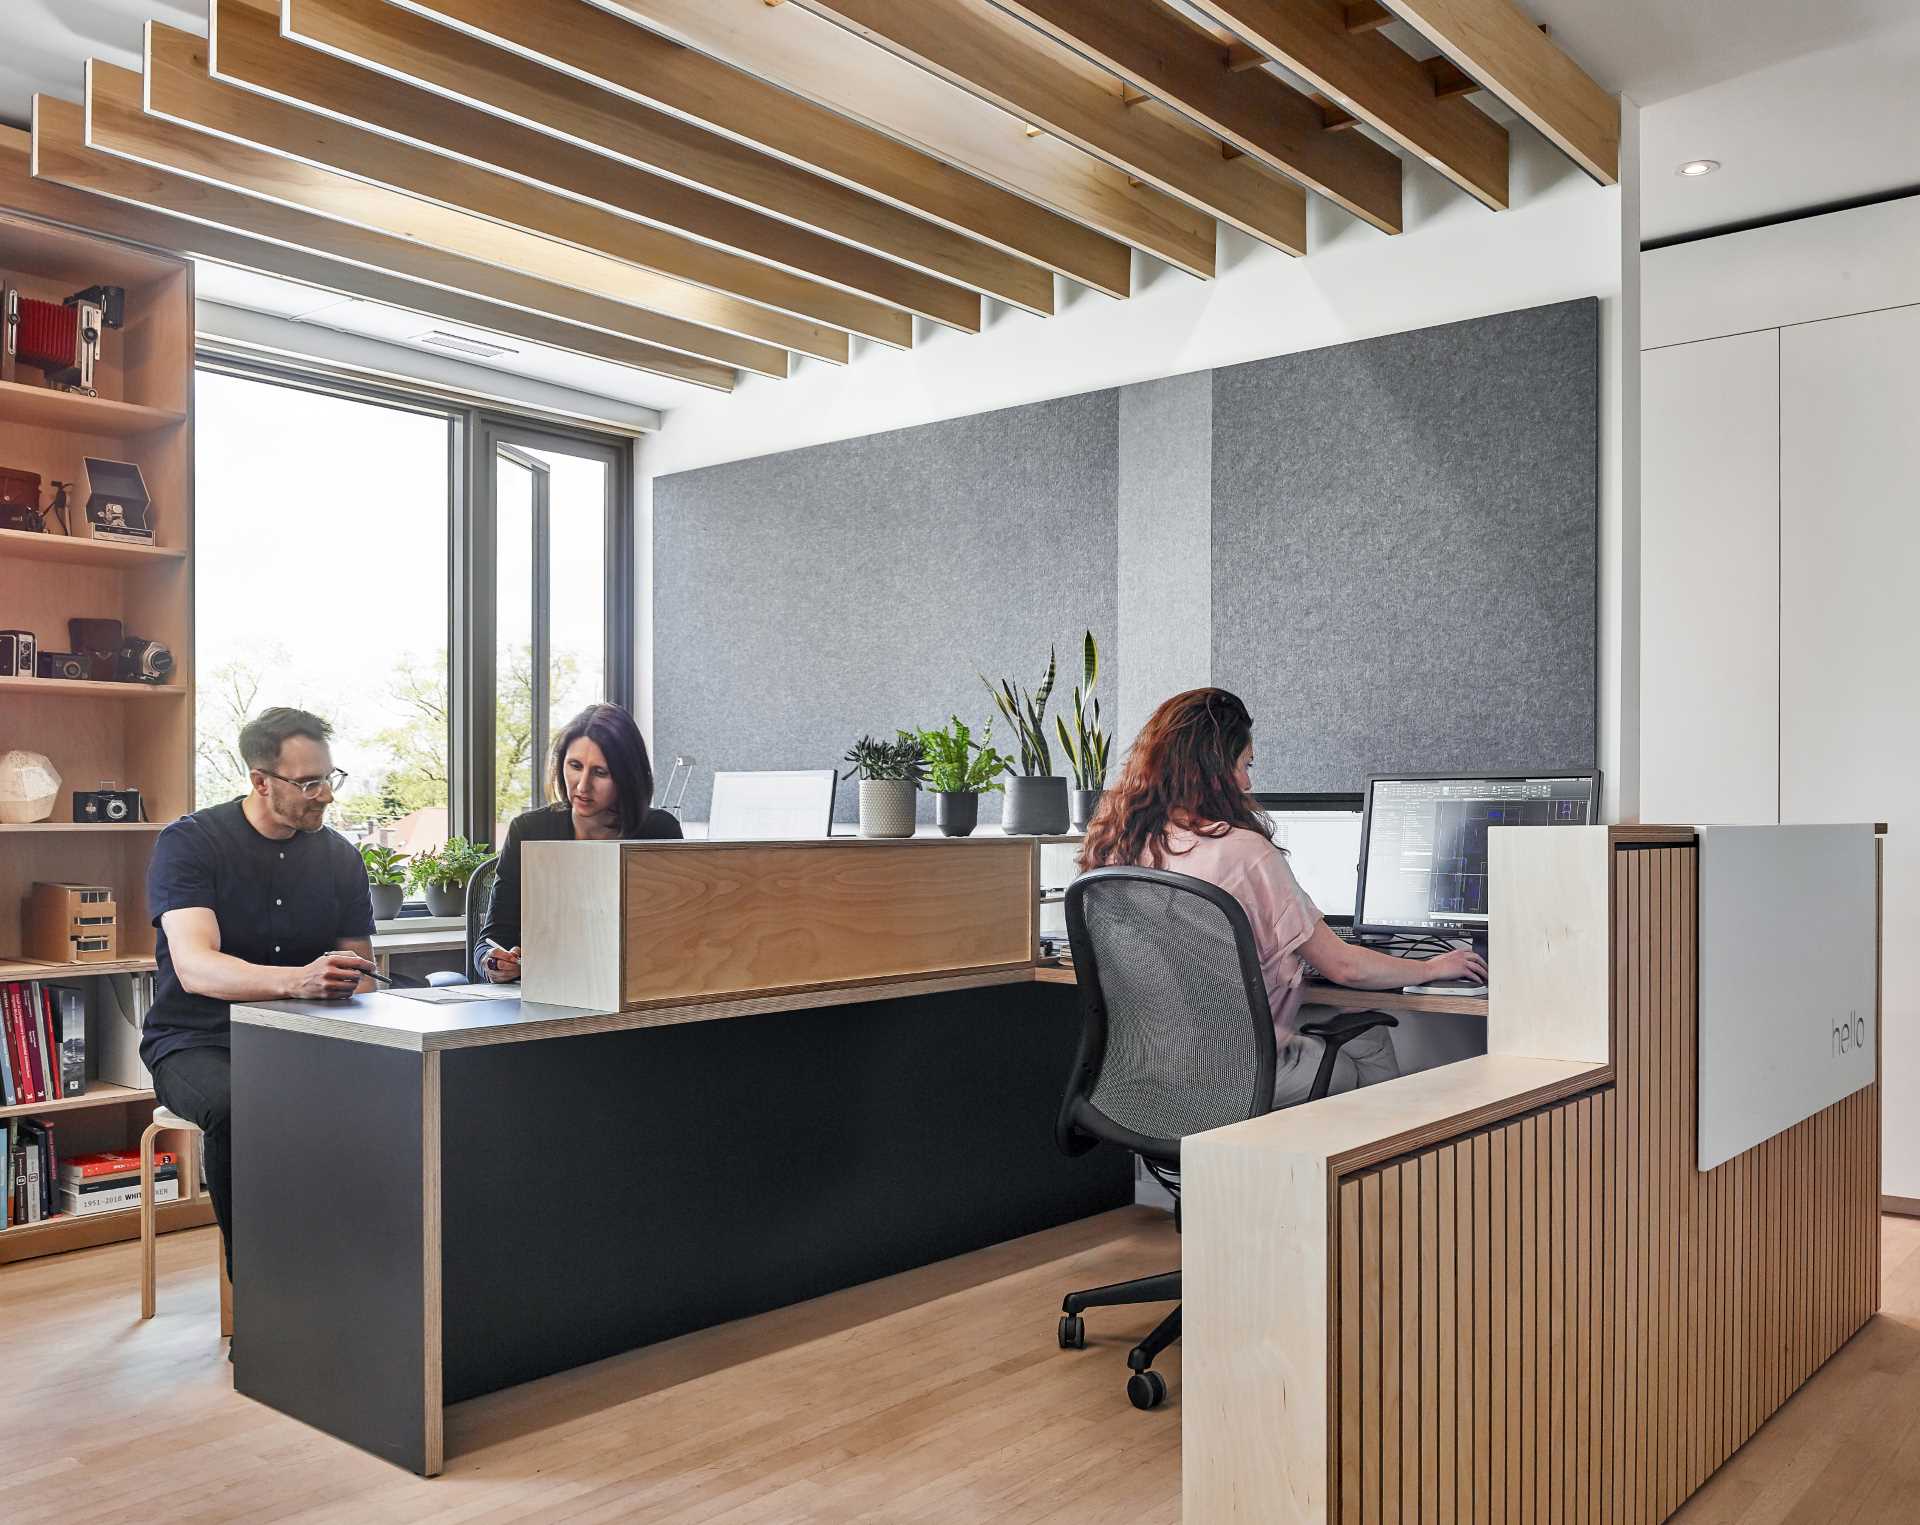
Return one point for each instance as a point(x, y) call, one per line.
point(1804, 102)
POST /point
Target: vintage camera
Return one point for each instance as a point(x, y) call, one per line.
point(59, 339)
point(63, 664)
point(20, 501)
point(106, 806)
point(17, 649)
point(139, 661)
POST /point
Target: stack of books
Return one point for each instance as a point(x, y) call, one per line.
point(43, 1042)
point(109, 1181)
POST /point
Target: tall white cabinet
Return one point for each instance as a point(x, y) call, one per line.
point(1781, 562)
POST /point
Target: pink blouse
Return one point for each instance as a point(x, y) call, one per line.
point(1255, 873)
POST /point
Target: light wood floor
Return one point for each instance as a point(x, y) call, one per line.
point(937, 1396)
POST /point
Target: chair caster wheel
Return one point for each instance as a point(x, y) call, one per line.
point(1146, 1389)
point(1073, 1333)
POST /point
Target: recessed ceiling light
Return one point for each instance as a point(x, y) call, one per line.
point(460, 344)
point(1694, 168)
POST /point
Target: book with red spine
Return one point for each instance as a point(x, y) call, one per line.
point(111, 1162)
point(30, 1040)
point(48, 1022)
point(17, 1037)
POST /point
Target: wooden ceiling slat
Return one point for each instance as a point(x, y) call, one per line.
point(1000, 59)
point(1378, 82)
point(575, 36)
point(53, 174)
point(1256, 112)
point(246, 49)
point(118, 124)
point(431, 191)
point(1499, 47)
point(456, 63)
point(832, 67)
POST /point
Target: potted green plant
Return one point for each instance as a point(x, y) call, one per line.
point(959, 771)
point(1087, 746)
point(442, 876)
point(889, 774)
point(1037, 796)
point(386, 878)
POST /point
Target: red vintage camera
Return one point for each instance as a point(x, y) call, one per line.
point(59, 339)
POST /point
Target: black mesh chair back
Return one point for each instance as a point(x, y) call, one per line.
point(1176, 1033)
point(479, 904)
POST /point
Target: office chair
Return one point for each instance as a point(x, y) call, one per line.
point(479, 903)
point(1175, 1037)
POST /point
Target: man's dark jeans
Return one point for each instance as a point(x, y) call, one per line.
point(198, 1084)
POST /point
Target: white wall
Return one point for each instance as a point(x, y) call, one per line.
point(1782, 526)
point(1562, 238)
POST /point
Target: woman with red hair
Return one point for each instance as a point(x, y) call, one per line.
point(1184, 804)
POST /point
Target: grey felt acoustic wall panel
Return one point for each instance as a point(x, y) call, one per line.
point(1405, 537)
point(802, 599)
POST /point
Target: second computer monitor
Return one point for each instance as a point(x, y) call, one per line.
point(1321, 833)
point(1423, 858)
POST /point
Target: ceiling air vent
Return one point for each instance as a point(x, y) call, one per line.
point(460, 344)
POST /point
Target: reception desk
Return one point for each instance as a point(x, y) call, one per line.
point(737, 1076)
point(1503, 1290)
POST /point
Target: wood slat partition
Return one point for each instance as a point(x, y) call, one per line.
point(1632, 1321)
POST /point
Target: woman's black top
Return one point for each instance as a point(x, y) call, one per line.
point(550, 823)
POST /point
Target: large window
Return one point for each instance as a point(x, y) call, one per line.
point(445, 586)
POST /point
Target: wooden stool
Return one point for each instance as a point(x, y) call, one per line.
point(172, 1122)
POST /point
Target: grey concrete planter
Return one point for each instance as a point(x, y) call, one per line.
point(386, 900)
point(446, 900)
point(1036, 807)
point(1085, 802)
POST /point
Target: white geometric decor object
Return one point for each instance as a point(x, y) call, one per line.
point(29, 785)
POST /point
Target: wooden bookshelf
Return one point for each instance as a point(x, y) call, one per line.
point(100, 1093)
point(80, 551)
point(131, 735)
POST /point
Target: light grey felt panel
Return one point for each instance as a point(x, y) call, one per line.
point(1166, 566)
point(1405, 535)
point(805, 598)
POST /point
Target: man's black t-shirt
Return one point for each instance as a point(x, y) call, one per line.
point(277, 902)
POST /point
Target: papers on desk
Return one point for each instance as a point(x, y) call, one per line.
point(454, 995)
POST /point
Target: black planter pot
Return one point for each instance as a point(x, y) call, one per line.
point(1085, 802)
point(1036, 807)
point(956, 814)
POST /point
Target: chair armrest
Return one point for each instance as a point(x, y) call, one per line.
point(447, 977)
point(1341, 1026)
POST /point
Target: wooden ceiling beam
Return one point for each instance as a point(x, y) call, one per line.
point(1496, 44)
point(246, 49)
point(117, 123)
point(53, 174)
point(994, 56)
point(1255, 112)
point(1377, 81)
point(832, 67)
point(467, 68)
point(424, 188)
point(641, 65)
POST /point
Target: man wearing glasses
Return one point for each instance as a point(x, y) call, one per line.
point(255, 900)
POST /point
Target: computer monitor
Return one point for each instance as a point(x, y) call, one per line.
point(1423, 849)
point(1321, 833)
point(790, 806)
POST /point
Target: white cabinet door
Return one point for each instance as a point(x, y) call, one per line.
point(1850, 649)
point(1710, 581)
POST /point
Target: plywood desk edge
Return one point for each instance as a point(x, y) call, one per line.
point(546, 1021)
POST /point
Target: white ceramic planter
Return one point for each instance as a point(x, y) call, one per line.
point(887, 807)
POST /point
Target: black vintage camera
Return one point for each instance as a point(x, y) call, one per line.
point(17, 649)
point(107, 807)
point(139, 661)
point(63, 664)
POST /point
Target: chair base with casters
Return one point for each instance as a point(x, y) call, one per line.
point(1146, 1388)
point(171, 1122)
